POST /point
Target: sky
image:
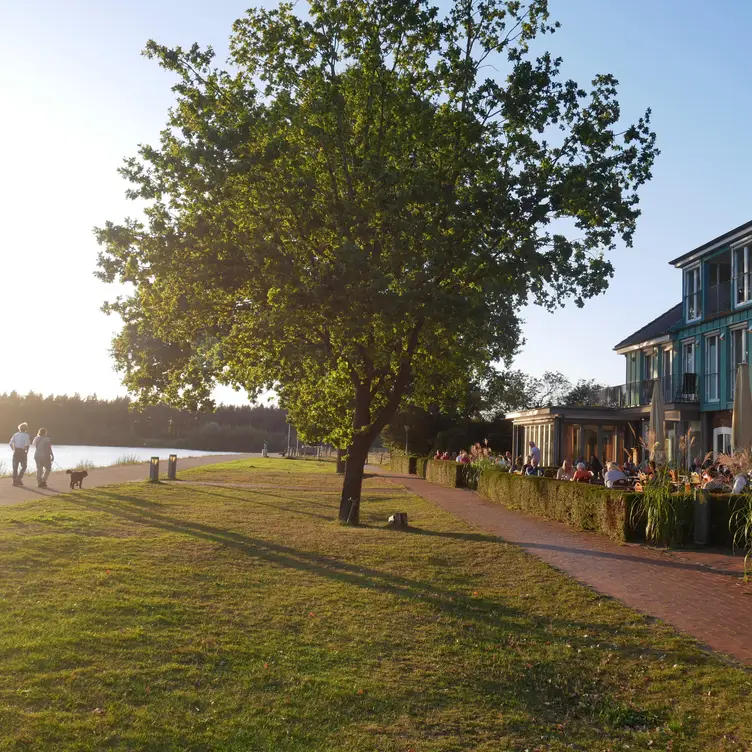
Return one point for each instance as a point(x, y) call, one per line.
point(78, 98)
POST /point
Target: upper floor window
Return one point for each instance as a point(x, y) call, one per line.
point(649, 362)
point(712, 377)
point(737, 354)
point(742, 275)
point(718, 298)
point(693, 294)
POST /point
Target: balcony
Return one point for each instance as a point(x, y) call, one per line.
point(681, 388)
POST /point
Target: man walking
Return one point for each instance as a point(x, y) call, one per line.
point(20, 443)
point(43, 456)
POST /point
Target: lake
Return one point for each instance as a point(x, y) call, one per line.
point(68, 456)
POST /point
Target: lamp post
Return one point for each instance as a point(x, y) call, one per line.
point(288, 440)
point(407, 433)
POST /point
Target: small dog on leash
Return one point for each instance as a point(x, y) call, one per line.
point(76, 477)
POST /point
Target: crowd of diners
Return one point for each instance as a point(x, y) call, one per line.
point(707, 474)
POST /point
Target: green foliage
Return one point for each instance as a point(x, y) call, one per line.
point(581, 505)
point(447, 473)
point(401, 463)
point(740, 523)
point(119, 422)
point(667, 516)
point(358, 210)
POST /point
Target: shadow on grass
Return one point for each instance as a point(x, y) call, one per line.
point(546, 689)
point(456, 602)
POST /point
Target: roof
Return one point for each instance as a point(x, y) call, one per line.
point(656, 328)
point(720, 240)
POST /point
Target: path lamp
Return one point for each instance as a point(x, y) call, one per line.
point(154, 470)
point(172, 467)
point(407, 433)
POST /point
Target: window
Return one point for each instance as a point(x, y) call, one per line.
point(668, 371)
point(738, 351)
point(648, 360)
point(712, 381)
point(719, 284)
point(742, 274)
point(721, 442)
point(692, 294)
point(688, 357)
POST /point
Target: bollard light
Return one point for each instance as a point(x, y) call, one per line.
point(154, 470)
point(172, 467)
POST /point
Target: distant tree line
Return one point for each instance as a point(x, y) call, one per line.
point(119, 422)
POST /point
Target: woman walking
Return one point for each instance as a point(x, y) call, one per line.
point(43, 456)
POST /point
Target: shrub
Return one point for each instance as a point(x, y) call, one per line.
point(400, 463)
point(447, 473)
point(580, 505)
point(421, 465)
point(668, 516)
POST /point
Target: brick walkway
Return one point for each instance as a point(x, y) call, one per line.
point(714, 608)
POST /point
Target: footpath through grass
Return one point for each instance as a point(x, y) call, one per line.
point(319, 474)
point(178, 617)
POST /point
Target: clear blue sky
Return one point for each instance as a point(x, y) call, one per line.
point(78, 98)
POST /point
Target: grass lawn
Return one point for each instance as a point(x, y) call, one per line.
point(171, 617)
point(280, 472)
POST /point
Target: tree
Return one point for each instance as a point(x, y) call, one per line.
point(585, 393)
point(355, 212)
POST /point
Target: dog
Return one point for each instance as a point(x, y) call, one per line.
point(77, 477)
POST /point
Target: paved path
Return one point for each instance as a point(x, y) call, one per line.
point(59, 482)
point(714, 608)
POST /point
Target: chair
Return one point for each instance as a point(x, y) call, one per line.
point(620, 483)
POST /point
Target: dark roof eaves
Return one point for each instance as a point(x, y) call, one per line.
point(707, 246)
point(634, 339)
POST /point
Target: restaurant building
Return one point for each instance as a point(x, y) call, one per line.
point(691, 352)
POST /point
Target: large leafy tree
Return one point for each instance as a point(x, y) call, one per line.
point(355, 210)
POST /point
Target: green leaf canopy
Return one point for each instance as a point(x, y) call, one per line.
point(357, 208)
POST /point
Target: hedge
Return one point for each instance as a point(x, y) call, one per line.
point(400, 463)
point(580, 505)
point(447, 473)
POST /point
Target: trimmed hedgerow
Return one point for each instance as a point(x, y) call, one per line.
point(580, 505)
point(447, 473)
point(400, 463)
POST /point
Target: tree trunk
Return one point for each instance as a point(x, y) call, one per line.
point(340, 462)
point(349, 505)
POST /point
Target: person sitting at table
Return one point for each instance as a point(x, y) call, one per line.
point(528, 463)
point(566, 471)
point(463, 458)
point(740, 483)
point(629, 467)
point(534, 468)
point(696, 465)
point(717, 482)
point(595, 466)
point(613, 474)
point(438, 454)
point(446, 456)
point(582, 474)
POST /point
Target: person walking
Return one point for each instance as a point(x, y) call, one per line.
point(43, 456)
point(20, 443)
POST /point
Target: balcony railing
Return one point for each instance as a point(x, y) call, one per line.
point(681, 388)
